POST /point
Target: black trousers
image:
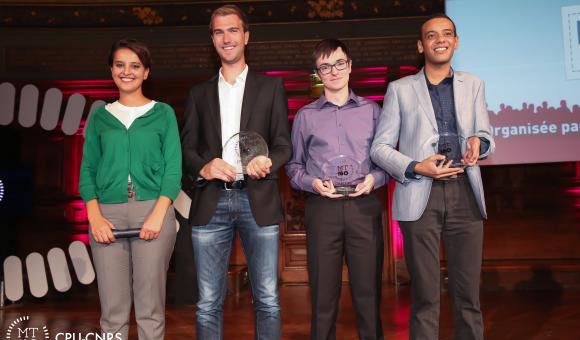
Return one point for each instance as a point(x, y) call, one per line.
point(452, 214)
point(352, 229)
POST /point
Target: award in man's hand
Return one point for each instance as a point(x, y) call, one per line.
point(243, 147)
point(343, 171)
point(450, 147)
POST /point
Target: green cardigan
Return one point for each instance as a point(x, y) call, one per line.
point(150, 151)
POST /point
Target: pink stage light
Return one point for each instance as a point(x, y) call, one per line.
point(93, 88)
point(296, 84)
point(401, 315)
point(297, 103)
point(409, 68)
point(369, 81)
point(80, 227)
point(397, 238)
point(282, 73)
point(373, 69)
point(84, 238)
point(396, 235)
point(376, 98)
point(75, 211)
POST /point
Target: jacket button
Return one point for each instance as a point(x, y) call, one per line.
point(433, 144)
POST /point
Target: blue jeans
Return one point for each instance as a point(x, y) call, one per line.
point(212, 244)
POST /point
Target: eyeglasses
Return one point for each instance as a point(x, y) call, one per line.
point(340, 65)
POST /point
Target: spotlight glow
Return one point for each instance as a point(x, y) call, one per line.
point(1, 190)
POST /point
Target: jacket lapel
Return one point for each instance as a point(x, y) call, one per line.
point(458, 89)
point(423, 97)
point(250, 93)
point(214, 106)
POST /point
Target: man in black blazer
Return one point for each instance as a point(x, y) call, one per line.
point(235, 100)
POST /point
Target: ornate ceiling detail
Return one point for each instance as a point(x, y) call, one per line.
point(147, 15)
point(326, 9)
point(128, 13)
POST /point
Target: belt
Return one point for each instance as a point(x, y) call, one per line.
point(452, 178)
point(235, 185)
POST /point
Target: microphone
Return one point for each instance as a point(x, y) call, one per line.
point(127, 233)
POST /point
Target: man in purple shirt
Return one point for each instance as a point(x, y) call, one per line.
point(331, 140)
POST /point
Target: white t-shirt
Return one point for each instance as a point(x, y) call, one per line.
point(128, 114)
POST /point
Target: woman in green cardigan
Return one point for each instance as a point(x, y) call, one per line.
point(130, 173)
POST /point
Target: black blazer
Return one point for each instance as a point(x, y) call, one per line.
point(265, 111)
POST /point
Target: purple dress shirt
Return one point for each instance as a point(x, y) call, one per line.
point(323, 130)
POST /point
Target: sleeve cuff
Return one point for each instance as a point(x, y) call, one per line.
point(410, 171)
point(307, 183)
point(483, 145)
point(380, 178)
point(88, 195)
point(172, 194)
point(86, 199)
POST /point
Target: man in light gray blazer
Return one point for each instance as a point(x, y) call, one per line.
point(439, 120)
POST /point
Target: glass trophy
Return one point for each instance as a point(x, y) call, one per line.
point(243, 147)
point(343, 171)
point(450, 146)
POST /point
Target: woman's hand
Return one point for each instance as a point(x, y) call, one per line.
point(101, 228)
point(153, 223)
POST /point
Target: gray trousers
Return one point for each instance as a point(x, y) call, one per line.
point(451, 213)
point(133, 270)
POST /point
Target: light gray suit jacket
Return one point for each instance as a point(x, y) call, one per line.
point(408, 120)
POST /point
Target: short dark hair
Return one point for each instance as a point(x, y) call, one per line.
point(325, 48)
point(436, 16)
point(228, 10)
point(139, 47)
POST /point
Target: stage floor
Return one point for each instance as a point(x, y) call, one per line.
point(518, 315)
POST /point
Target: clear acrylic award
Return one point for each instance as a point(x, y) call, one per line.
point(243, 147)
point(343, 171)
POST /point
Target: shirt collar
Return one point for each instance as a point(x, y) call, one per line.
point(352, 98)
point(241, 78)
point(445, 81)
